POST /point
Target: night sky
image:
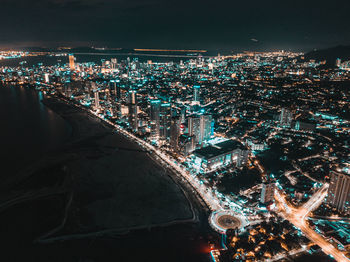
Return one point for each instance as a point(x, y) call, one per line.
point(214, 24)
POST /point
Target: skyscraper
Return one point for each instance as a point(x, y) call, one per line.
point(196, 95)
point(114, 62)
point(71, 62)
point(286, 117)
point(133, 110)
point(97, 100)
point(154, 118)
point(183, 114)
point(338, 62)
point(47, 78)
point(194, 127)
point(115, 85)
point(175, 132)
point(165, 120)
point(267, 192)
point(205, 128)
point(339, 192)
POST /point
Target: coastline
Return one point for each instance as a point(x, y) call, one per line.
point(195, 205)
point(167, 208)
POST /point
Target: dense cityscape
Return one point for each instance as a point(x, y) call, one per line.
point(261, 138)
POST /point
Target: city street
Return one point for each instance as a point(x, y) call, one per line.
point(297, 216)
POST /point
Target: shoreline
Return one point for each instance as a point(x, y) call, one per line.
point(196, 205)
point(184, 216)
point(90, 115)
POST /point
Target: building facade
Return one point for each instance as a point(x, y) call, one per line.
point(339, 192)
point(219, 155)
point(267, 193)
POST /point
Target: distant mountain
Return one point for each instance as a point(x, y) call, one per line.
point(330, 54)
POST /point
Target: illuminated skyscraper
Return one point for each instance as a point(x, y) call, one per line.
point(133, 110)
point(196, 94)
point(338, 62)
point(47, 78)
point(113, 63)
point(200, 127)
point(205, 131)
point(183, 114)
point(97, 100)
point(71, 62)
point(165, 121)
point(154, 118)
point(267, 193)
point(339, 192)
point(194, 128)
point(286, 117)
point(175, 132)
point(115, 85)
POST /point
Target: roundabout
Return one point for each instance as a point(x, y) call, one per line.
point(223, 220)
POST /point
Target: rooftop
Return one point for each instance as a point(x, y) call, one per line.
point(218, 149)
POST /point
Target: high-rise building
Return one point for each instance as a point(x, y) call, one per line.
point(205, 131)
point(183, 114)
point(114, 62)
point(175, 132)
point(47, 78)
point(196, 94)
point(194, 128)
point(154, 118)
point(133, 110)
point(338, 62)
point(115, 85)
point(286, 117)
point(71, 62)
point(339, 192)
point(267, 193)
point(200, 127)
point(165, 120)
point(97, 100)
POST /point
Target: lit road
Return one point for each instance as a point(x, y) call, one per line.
point(297, 216)
point(214, 200)
point(206, 194)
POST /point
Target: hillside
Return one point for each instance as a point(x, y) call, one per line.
point(330, 54)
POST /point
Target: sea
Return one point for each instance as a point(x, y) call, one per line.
point(28, 131)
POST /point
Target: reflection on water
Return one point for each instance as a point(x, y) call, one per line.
point(28, 129)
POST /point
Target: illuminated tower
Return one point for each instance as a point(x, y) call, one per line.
point(194, 128)
point(114, 63)
point(115, 84)
point(47, 78)
point(155, 118)
point(196, 95)
point(267, 193)
point(175, 132)
point(338, 62)
point(286, 117)
point(205, 131)
point(71, 62)
point(97, 100)
point(165, 121)
point(133, 110)
point(183, 114)
point(339, 192)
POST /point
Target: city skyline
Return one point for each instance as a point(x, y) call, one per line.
point(175, 130)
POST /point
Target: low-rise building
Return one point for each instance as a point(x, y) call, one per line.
point(218, 155)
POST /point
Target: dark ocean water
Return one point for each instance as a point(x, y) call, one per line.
point(28, 129)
